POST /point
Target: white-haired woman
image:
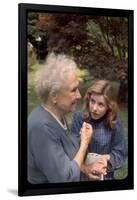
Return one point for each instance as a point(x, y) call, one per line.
point(54, 155)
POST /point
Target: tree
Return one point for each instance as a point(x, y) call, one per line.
point(35, 37)
point(64, 32)
point(114, 32)
point(98, 43)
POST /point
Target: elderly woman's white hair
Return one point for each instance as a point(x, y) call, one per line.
point(53, 74)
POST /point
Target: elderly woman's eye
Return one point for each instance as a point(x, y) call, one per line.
point(74, 89)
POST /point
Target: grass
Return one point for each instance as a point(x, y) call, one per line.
point(33, 101)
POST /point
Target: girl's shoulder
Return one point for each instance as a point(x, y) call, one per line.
point(78, 116)
point(118, 122)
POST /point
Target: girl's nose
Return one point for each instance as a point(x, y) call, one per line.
point(94, 107)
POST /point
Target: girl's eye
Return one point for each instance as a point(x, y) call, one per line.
point(92, 101)
point(101, 105)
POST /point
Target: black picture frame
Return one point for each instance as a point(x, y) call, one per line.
point(24, 187)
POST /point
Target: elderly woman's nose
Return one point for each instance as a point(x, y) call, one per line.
point(78, 94)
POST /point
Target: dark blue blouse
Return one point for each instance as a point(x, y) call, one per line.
point(105, 141)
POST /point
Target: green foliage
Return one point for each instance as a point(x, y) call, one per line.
point(82, 73)
point(31, 95)
point(98, 43)
point(32, 21)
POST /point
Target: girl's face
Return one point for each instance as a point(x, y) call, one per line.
point(97, 106)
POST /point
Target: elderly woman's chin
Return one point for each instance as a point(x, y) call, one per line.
point(69, 109)
point(73, 107)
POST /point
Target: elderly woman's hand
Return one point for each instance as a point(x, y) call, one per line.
point(95, 170)
point(86, 133)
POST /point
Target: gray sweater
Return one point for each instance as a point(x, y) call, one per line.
point(51, 150)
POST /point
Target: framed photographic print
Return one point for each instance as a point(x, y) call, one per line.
point(75, 99)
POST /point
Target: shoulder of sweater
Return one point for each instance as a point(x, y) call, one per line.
point(40, 117)
point(78, 114)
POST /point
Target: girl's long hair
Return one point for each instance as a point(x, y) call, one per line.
point(105, 88)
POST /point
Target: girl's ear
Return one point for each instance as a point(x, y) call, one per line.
point(109, 109)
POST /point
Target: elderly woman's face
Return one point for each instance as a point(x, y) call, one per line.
point(69, 95)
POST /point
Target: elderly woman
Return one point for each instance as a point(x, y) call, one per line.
point(54, 154)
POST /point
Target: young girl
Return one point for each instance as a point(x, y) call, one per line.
point(101, 111)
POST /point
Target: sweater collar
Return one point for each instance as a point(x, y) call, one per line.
point(97, 120)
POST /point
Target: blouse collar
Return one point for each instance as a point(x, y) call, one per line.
point(97, 120)
point(62, 123)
